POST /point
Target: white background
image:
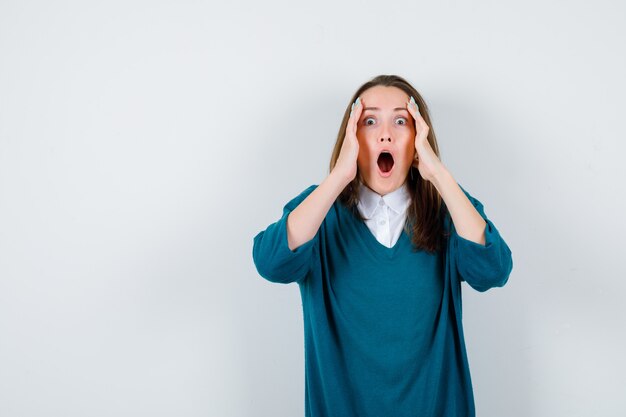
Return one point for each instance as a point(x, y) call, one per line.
point(144, 144)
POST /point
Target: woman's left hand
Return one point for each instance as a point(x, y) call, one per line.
point(425, 160)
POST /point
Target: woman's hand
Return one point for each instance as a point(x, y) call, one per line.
point(425, 160)
point(346, 165)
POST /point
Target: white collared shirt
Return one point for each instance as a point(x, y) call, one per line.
point(385, 215)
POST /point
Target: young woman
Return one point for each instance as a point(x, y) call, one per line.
point(379, 250)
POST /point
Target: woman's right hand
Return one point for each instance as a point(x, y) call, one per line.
point(346, 164)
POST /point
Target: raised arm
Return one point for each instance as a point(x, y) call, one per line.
point(284, 251)
point(306, 219)
point(482, 256)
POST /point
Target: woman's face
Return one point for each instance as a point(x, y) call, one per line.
point(385, 125)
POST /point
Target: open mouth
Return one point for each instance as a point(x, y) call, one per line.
point(385, 162)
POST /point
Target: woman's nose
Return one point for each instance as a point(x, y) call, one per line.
point(385, 132)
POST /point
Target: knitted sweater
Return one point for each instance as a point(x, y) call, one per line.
point(383, 331)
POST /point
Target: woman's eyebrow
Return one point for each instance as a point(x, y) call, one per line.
point(378, 108)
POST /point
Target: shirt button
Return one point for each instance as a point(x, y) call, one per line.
point(381, 222)
point(381, 202)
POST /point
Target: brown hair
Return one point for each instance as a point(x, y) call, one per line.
point(427, 210)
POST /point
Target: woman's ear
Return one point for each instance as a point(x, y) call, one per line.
point(415, 163)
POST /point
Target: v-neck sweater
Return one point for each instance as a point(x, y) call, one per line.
point(383, 331)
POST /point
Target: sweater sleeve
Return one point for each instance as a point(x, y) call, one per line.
point(482, 267)
point(272, 257)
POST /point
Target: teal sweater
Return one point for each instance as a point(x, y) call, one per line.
point(383, 331)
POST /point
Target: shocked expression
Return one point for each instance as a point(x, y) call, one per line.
point(386, 135)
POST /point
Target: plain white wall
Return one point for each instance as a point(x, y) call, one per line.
point(144, 144)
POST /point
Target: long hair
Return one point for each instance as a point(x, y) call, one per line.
point(426, 213)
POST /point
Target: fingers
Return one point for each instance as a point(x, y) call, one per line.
point(356, 103)
point(355, 114)
point(413, 104)
point(420, 123)
point(413, 109)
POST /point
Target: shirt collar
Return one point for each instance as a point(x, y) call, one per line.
point(369, 199)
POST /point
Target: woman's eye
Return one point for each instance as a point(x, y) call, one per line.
point(367, 119)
